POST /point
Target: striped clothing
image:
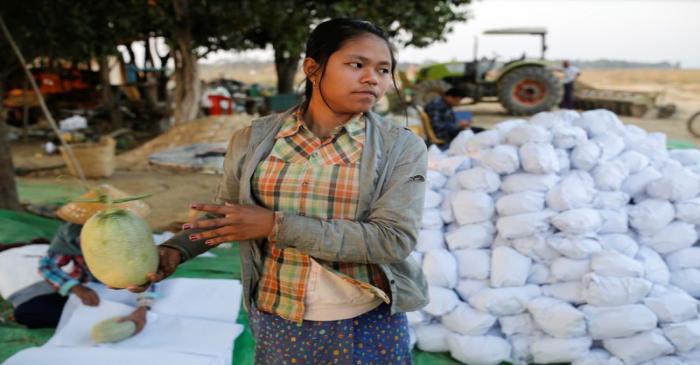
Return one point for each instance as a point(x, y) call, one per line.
point(312, 177)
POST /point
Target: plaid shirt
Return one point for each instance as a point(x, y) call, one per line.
point(317, 178)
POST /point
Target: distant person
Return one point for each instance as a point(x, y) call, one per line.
point(442, 116)
point(571, 73)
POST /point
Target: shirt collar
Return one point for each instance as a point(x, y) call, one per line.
point(355, 127)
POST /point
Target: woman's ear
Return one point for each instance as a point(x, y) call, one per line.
point(312, 70)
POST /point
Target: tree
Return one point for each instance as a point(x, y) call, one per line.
point(286, 24)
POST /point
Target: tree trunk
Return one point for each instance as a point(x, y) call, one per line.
point(8, 187)
point(187, 86)
point(286, 65)
point(108, 94)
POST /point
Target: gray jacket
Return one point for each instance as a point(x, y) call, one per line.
point(392, 189)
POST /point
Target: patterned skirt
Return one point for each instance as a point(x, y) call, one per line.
point(376, 337)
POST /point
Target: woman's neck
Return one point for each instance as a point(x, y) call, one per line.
point(322, 121)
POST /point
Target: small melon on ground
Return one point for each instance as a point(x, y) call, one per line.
point(112, 330)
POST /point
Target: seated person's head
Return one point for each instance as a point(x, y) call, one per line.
point(454, 96)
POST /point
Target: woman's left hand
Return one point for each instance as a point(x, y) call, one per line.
point(240, 222)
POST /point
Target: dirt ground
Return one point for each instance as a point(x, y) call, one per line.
point(173, 191)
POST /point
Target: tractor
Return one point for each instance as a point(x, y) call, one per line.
point(523, 86)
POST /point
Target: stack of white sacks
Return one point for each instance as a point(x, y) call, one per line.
point(566, 238)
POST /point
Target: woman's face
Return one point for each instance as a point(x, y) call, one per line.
point(356, 76)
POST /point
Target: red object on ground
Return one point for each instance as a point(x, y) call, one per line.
point(216, 104)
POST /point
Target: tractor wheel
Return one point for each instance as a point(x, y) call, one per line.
point(426, 91)
point(529, 90)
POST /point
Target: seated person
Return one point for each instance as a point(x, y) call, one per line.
point(41, 305)
point(442, 117)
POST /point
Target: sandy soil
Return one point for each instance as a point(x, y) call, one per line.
point(174, 191)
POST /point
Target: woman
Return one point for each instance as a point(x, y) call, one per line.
point(325, 201)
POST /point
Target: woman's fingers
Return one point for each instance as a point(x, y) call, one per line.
point(214, 233)
point(214, 208)
point(219, 240)
point(207, 223)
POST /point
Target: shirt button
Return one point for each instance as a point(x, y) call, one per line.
point(392, 281)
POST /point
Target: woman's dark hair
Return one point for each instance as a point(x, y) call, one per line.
point(330, 36)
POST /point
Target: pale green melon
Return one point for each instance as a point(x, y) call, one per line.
point(118, 248)
point(111, 330)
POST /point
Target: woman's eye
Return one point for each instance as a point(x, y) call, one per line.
point(385, 71)
point(355, 64)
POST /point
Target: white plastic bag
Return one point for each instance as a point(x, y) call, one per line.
point(548, 350)
point(508, 267)
point(612, 263)
point(528, 133)
point(471, 236)
point(639, 348)
point(504, 301)
point(586, 155)
point(519, 203)
point(466, 320)
point(432, 337)
point(578, 221)
point(472, 207)
point(611, 291)
point(523, 225)
point(503, 159)
point(575, 190)
point(673, 237)
point(473, 264)
point(650, 216)
point(620, 321)
point(479, 350)
point(479, 179)
point(539, 158)
point(557, 318)
point(440, 268)
point(430, 239)
point(574, 247)
point(518, 182)
point(441, 302)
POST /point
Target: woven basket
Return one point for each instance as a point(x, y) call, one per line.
point(96, 159)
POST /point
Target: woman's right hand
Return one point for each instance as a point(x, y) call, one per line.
point(168, 259)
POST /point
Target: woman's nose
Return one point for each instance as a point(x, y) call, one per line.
point(370, 77)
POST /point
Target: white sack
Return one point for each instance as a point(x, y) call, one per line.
point(517, 324)
point(432, 219)
point(440, 268)
point(568, 291)
point(586, 155)
point(614, 221)
point(471, 236)
point(508, 267)
point(518, 182)
point(430, 239)
point(539, 158)
point(578, 221)
point(528, 133)
point(610, 175)
point(479, 179)
point(566, 269)
point(620, 321)
point(611, 291)
point(441, 301)
point(432, 337)
point(610, 200)
point(523, 225)
point(556, 350)
point(621, 243)
point(473, 264)
point(688, 280)
point(687, 258)
point(466, 287)
point(574, 247)
point(650, 216)
point(673, 306)
point(639, 348)
point(575, 190)
point(557, 318)
point(466, 320)
point(673, 237)
point(635, 184)
point(503, 159)
point(479, 350)
point(655, 269)
point(689, 211)
point(633, 161)
point(504, 301)
point(685, 336)
point(612, 263)
point(520, 203)
point(472, 207)
point(568, 137)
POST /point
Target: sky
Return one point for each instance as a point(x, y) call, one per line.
point(630, 30)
